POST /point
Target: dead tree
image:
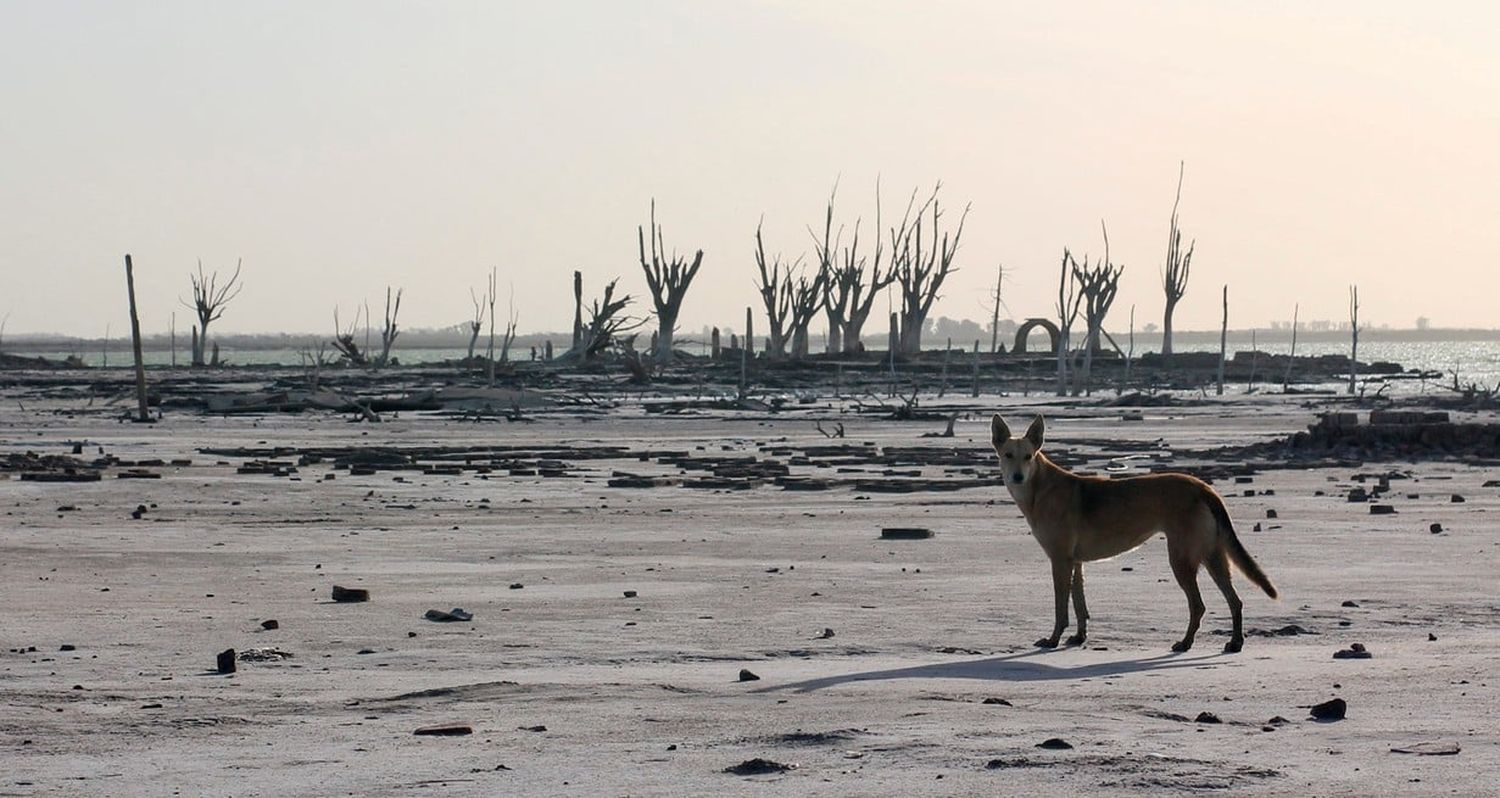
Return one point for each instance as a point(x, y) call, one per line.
point(209, 299)
point(922, 266)
point(343, 341)
point(1223, 341)
point(476, 324)
point(851, 279)
point(511, 317)
point(775, 288)
point(1098, 284)
point(607, 319)
point(668, 282)
point(577, 311)
point(135, 344)
point(388, 331)
point(1174, 276)
point(807, 295)
point(996, 302)
point(835, 294)
point(1291, 359)
point(1354, 336)
point(1068, 300)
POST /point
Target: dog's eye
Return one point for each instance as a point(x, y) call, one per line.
point(1008, 455)
point(1027, 457)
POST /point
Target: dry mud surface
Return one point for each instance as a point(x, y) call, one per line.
point(928, 684)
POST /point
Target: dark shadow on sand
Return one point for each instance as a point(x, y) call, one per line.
point(1021, 667)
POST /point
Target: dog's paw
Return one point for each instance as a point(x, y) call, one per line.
point(1182, 645)
point(1234, 646)
point(1047, 642)
point(1076, 640)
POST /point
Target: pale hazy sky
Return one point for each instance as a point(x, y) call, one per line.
point(338, 147)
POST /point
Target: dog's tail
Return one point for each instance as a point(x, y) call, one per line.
point(1235, 549)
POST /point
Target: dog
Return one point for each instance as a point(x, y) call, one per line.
point(1079, 519)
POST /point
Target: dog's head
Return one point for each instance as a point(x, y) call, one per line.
point(1018, 460)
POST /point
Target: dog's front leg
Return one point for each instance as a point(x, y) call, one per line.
point(1062, 586)
point(1080, 608)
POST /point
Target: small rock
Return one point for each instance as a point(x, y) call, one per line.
point(1382, 509)
point(1277, 721)
point(444, 730)
point(1207, 717)
point(1457, 499)
point(226, 661)
point(997, 701)
point(1257, 527)
point(630, 594)
point(1350, 603)
point(516, 586)
point(1055, 744)
point(1428, 749)
point(747, 676)
point(269, 624)
point(1358, 494)
point(825, 634)
point(67, 647)
point(1431, 637)
point(345, 595)
point(454, 615)
point(1354, 651)
point(1329, 710)
point(905, 533)
point(1435, 528)
point(537, 728)
point(758, 767)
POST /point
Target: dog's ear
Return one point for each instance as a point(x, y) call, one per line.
point(999, 433)
point(1035, 431)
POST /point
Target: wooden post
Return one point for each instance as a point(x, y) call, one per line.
point(745, 355)
point(547, 350)
point(749, 331)
point(1254, 361)
point(943, 385)
point(578, 312)
point(135, 337)
point(1130, 356)
point(1223, 340)
point(1291, 358)
point(714, 346)
point(1354, 333)
point(975, 392)
point(174, 340)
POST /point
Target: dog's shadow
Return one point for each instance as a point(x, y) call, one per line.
point(1021, 667)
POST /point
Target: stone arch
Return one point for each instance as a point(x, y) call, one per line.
point(1024, 331)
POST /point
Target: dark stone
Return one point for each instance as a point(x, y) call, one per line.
point(516, 586)
point(905, 533)
point(67, 647)
point(1055, 744)
point(630, 594)
point(1382, 509)
point(758, 767)
point(346, 595)
point(825, 634)
point(1349, 603)
point(1270, 513)
point(269, 624)
point(1207, 717)
point(1435, 528)
point(747, 676)
point(445, 730)
point(1334, 709)
point(226, 661)
point(1354, 651)
point(1456, 499)
point(998, 701)
point(456, 614)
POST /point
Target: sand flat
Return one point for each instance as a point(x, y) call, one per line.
point(892, 704)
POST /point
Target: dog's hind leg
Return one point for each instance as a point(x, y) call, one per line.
point(1080, 609)
point(1186, 572)
point(1062, 578)
point(1218, 568)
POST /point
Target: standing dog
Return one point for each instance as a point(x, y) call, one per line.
point(1078, 519)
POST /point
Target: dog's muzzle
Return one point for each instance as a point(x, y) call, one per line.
point(1018, 479)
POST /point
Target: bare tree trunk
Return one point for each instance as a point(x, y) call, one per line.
point(1223, 340)
point(995, 317)
point(1354, 336)
point(197, 353)
point(975, 392)
point(1286, 378)
point(135, 341)
point(1130, 355)
point(577, 310)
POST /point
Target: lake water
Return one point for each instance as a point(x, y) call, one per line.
point(1472, 360)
